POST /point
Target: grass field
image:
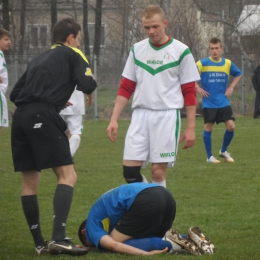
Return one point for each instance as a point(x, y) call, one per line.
point(223, 200)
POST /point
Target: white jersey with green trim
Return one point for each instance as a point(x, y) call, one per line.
point(3, 74)
point(159, 73)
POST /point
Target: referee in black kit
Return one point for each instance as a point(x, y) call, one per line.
point(38, 132)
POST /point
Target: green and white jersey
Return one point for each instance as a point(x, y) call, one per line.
point(159, 73)
point(3, 74)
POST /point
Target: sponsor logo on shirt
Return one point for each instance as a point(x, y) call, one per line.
point(219, 77)
point(217, 74)
point(171, 154)
point(151, 62)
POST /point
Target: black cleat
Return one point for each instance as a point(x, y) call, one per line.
point(66, 247)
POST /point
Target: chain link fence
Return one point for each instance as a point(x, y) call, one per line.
point(108, 69)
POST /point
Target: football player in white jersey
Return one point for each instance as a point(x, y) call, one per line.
point(73, 116)
point(161, 72)
point(5, 42)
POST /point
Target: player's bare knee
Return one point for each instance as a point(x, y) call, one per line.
point(231, 127)
point(132, 174)
point(158, 174)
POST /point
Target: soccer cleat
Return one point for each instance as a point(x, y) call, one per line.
point(66, 247)
point(186, 245)
point(226, 155)
point(212, 159)
point(42, 250)
point(204, 244)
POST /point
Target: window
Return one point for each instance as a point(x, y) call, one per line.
point(38, 35)
point(91, 32)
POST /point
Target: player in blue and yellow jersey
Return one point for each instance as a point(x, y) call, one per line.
point(136, 219)
point(38, 131)
point(215, 72)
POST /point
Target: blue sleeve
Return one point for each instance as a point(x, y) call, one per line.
point(234, 70)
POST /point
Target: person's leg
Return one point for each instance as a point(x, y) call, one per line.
point(159, 173)
point(228, 135)
point(136, 147)
point(60, 244)
point(226, 115)
point(74, 131)
point(132, 171)
point(163, 147)
point(149, 244)
point(30, 181)
point(62, 199)
point(208, 127)
point(210, 116)
point(74, 143)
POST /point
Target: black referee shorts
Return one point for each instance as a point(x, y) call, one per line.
point(151, 214)
point(38, 138)
point(218, 115)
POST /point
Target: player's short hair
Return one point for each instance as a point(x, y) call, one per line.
point(151, 10)
point(63, 29)
point(215, 40)
point(80, 235)
point(4, 33)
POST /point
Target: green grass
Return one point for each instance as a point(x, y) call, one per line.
point(223, 199)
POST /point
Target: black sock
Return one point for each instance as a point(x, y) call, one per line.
point(31, 212)
point(61, 205)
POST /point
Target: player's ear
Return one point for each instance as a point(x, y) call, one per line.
point(83, 231)
point(70, 38)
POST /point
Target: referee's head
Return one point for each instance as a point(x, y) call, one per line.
point(63, 29)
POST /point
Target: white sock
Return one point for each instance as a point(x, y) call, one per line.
point(162, 183)
point(175, 247)
point(144, 179)
point(74, 144)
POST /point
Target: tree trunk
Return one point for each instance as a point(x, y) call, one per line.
point(85, 28)
point(53, 13)
point(97, 37)
point(6, 14)
point(22, 27)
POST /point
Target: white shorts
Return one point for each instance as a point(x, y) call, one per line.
point(4, 122)
point(74, 124)
point(153, 136)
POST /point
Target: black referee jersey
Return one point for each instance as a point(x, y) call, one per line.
point(52, 76)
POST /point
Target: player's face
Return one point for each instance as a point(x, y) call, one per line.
point(155, 29)
point(215, 50)
point(5, 43)
point(86, 243)
point(75, 42)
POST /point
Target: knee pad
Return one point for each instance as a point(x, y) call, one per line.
point(132, 174)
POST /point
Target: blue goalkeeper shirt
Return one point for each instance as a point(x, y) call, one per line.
point(214, 79)
point(109, 208)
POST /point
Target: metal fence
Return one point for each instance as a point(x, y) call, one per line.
point(108, 70)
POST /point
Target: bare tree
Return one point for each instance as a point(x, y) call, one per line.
point(53, 13)
point(22, 27)
point(6, 14)
point(85, 28)
point(98, 21)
